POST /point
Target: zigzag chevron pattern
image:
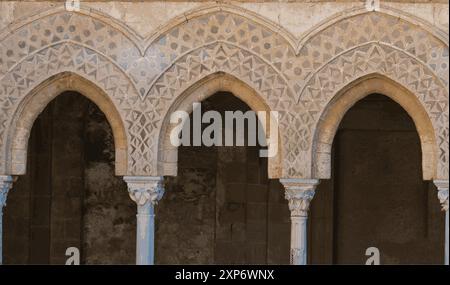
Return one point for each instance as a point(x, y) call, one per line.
point(299, 86)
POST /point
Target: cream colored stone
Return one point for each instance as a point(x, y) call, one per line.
point(153, 57)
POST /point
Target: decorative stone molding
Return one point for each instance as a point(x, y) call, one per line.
point(373, 58)
point(442, 186)
point(299, 193)
point(38, 99)
point(143, 190)
point(297, 77)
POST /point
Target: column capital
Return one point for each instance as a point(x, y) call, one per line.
point(442, 186)
point(299, 193)
point(144, 189)
point(6, 182)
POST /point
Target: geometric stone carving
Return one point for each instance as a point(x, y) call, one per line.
point(144, 78)
point(211, 59)
point(384, 60)
point(57, 59)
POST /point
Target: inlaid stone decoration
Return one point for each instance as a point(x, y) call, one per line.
point(298, 77)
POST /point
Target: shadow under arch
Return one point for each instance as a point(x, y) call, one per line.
point(337, 108)
point(204, 88)
point(36, 101)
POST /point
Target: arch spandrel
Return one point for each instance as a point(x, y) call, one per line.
point(64, 26)
point(376, 27)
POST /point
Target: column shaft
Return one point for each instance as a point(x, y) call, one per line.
point(5, 186)
point(299, 242)
point(146, 192)
point(446, 238)
point(145, 238)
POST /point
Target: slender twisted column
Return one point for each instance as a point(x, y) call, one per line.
point(442, 186)
point(146, 192)
point(5, 185)
point(299, 193)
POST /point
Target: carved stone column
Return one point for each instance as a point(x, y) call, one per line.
point(5, 185)
point(442, 186)
point(146, 191)
point(299, 193)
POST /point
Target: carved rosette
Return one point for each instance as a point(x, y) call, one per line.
point(299, 193)
point(5, 185)
point(442, 186)
point(143, 190)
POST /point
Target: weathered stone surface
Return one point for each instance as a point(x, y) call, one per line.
point(295, 71)
point(140, 60)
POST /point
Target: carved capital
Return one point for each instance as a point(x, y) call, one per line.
point(145, 189)
point(6, 183)
point(442, 186)
point(299, 193)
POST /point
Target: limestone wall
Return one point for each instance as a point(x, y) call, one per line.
point(145, 17)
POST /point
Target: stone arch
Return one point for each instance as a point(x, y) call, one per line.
point(191, 68)
point(337, 108)
point(35, 102)
point(201, 90)
point(57, 59)
point(390, 63)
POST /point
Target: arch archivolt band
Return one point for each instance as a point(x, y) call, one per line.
point(138, 82)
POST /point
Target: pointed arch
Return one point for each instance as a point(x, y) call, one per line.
point(50, 63)
point(337, 108)
point(390, 63)
point(201, 90)
point(35, 102)
point(186, 72)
